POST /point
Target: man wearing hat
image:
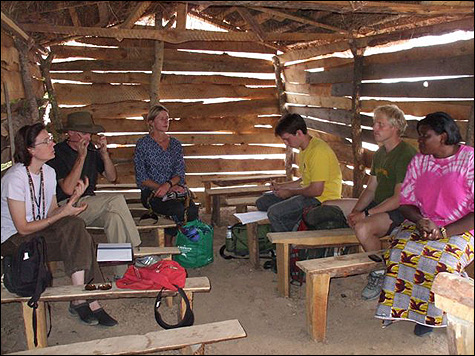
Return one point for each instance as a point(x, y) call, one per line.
point(78, 158)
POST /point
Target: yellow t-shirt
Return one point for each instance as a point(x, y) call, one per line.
point(318, 163)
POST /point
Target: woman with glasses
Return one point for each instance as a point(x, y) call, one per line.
point(29, 208)
point(160, 169)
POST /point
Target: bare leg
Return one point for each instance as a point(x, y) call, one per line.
point(77, 278)
point(346, 205)
point(370, 230)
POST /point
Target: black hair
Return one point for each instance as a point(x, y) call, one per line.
point(25, 138)
point(290, 123)
point(442, 122)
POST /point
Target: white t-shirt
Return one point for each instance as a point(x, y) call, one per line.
point(15, 186)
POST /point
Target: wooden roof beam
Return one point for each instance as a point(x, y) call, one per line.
point(136, 14)
point(300, 19)
point(174, 36)
point(246, 15)
point(382, 7)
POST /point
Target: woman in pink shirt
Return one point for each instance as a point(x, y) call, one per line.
point(437, 199)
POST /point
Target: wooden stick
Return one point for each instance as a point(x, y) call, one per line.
point(10, 123)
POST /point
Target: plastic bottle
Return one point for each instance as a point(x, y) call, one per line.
point(229, 234)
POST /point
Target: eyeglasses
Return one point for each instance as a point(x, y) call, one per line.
point(101, 286)
point(46, 141)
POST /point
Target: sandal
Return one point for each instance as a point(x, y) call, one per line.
point(104, 318)
point(84, 312)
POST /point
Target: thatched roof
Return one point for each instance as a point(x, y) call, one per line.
point(277, 24)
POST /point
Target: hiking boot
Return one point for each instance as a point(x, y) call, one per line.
point(374, 286)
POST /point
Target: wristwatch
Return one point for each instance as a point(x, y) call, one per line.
point(366, 212)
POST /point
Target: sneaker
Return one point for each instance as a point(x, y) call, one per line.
point(374, 286)
point(85, 313)
point(146, 261)
point(421, 330)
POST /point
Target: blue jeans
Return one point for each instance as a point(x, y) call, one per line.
point(284, 214)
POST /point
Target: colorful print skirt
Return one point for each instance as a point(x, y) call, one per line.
point(411, 266)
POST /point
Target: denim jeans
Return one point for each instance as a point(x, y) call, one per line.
point(284, 214)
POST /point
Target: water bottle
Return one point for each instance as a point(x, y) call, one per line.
point(229, 239)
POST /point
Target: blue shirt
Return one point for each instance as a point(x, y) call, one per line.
point(159, 165)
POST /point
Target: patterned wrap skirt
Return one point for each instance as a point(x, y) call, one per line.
point(411, 266)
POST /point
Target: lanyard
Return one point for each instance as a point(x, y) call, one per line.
point(40, 202)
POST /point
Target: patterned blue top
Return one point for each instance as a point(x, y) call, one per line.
point(152, 162)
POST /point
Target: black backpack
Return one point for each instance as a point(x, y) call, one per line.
point(26, 273)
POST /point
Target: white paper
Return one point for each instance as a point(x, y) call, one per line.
point(252, 216)
point(114, 252)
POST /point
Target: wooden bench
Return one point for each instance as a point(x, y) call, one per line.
point(318, 273)
point(236, 180)
point(70, 292)
point(154, 341)
point(217, 193)
point(307, 239)
point(241, 203)
point(454, 295)
point(157, 228)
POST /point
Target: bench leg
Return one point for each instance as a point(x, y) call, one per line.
point(197, 349)
point(283, 272)
point(40, 325)
point(460, 336)
point(318, 286)
point(253, 245)
point(160, 235)
point(215, 214)
point(207, 198)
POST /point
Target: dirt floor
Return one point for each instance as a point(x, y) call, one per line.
point(274, 325)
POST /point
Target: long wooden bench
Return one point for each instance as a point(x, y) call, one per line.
point(236, 180)
point(241, 203)
point(154, 341)
point(306, 239)
point(218, 193)
point(70, 292)
point(157, 228)
point(454, 295)
point(318, 273)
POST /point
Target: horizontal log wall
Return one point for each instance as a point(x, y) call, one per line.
point(321, 89)
point(114, 86)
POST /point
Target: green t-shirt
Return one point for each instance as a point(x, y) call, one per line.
point(318, 163)
point(390, 168)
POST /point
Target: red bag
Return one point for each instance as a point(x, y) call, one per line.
point(163, 274)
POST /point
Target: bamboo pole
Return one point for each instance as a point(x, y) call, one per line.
point(470, 129)
point(359, 170)
point(283, 111)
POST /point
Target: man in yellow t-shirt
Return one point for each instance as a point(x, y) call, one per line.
point(320, 181)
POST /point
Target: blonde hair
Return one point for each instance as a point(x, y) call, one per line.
point(394, 115)
point(154, 111)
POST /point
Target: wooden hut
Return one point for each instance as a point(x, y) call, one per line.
point(226, 87)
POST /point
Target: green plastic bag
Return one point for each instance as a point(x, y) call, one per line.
point(195, 242)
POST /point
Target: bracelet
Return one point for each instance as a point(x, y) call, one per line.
point(443, 232)
point(366, 212)
point(169, 182)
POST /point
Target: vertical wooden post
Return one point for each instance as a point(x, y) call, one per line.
point(23, 51)
point(318, 287)
point(359, 167)
point(289, 157)
point(11, 134)
point(57, 125)
point(283, 269)
point(253, 244)
point(157, 65)
point(470, 129)
point(41, 333)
